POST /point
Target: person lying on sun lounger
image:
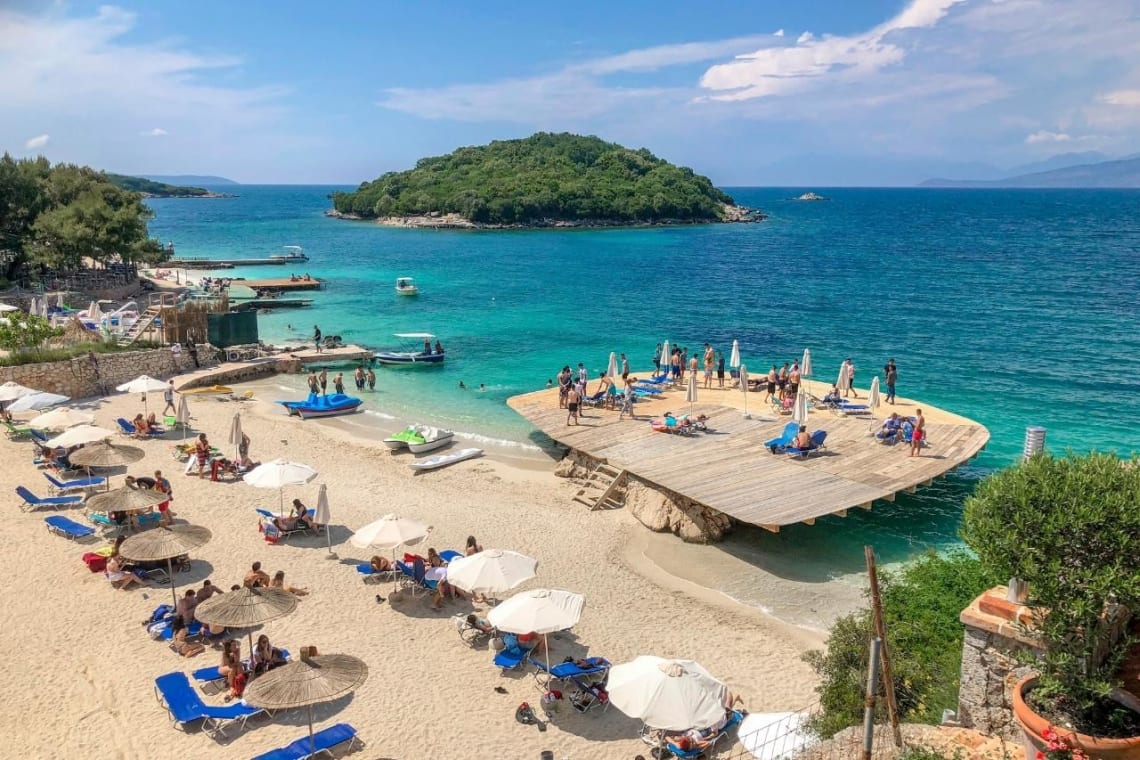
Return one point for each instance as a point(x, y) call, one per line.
point(381, 564)
point(479, 624)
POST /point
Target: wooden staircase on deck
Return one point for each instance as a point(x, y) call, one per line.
point(140, 326)
point(606, 478)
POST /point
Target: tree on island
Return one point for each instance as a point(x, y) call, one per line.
point(58, 216)
point(544, 177)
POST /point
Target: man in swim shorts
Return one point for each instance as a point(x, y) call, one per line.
point(918, 435)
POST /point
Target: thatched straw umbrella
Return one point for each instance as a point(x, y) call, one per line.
point(165, 543)
point(106, 454)
point(306, 682)
point(125, 499)
point(246, 608)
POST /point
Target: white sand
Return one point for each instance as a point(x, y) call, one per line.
point(81, 667)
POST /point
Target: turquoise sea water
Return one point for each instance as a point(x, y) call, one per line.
point(1013, 308)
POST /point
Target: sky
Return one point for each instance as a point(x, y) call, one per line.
point(826, 92)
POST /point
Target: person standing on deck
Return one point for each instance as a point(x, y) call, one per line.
point(583, 378)
point(773, 382)
point(849, 386)
point(919, 434)
point(657, 360)
point(317, 337)
point(720, 369)
point(782, 379)
point(572, 401)
point(565, 380)
point(624, 366)
point(892, 377)
point(794, 380)
point(710, 359)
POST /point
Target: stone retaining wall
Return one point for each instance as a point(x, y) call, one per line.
point(657, 508)
point(82, 378)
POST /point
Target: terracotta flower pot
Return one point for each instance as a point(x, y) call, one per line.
point(1034, 726)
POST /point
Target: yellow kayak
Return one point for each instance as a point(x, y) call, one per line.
point(210, 389)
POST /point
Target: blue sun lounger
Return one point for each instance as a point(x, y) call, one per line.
point(61, 486)
point(207, 678)
point(322, 743)
point(67, 527)
point(174, 692)
point(817, 439)
point(778, 444)
point(33, 502)
point(512, 655)
point(689, 754)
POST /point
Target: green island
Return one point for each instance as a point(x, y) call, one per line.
point(151, 189)
point(545, 180)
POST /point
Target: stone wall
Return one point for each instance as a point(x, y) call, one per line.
point(80, 378)
point(994, 654)
point(657, 508)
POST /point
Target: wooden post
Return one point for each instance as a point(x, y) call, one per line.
point(884, 651)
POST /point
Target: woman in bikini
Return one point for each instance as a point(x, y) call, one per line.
point(279, 582)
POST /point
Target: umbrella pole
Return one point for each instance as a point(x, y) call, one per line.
point(312, 741)
point(546, 651)
point(170, 574)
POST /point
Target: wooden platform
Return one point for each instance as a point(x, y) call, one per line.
point(342, 355)
point(283, 283)
point(729, 470)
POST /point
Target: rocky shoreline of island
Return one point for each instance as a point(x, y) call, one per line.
point(440, 221)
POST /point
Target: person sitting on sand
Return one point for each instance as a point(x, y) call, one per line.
point(479, 624)
point(279, 582)
point(231, 660)
point(116, 572)
point(802, 439)
point(266, 656)
point(179, 643)
point(152, 425)
point(256, 577)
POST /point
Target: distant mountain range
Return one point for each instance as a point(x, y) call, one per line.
point(1119, 173)
point(188, 179)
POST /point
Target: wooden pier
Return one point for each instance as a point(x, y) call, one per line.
point(343, 355)
point(283, 283)
point(729, 470)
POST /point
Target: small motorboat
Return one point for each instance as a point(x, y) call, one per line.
point(322, 406)
point(443, 460)
point(405, 286)
point(293, 253)
point(400, 440)
point(431, 439)
point(411, 354)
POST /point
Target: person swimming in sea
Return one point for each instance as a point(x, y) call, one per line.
point(462, 386)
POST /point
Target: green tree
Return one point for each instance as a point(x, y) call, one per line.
point(22, 332)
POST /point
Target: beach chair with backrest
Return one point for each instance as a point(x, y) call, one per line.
point(76, 484)
point(322, 743)
point(471, 635)
point(39, 436)
point(375, 576)
point(184, 706)
point(447, 555)
point(68, 528)
point(419, 577)
point(782, 441)
point(689, 754)
point(512, 655)
point(817, 443)
point(31, 502)
point(211, 680)
point(267, 525)
point(16, 432)
point(594, 670)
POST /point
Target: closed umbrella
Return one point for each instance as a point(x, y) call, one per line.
point(671, 695)
point(873, 399)
point(492, 571)
point(734, 357)
point(246, 608)
point(389, 532)
point(691, 392)
point(612, 367)
point(106, 454)
point(805, 366)
point(322, 516)
point(800, 407)
point(278, 474)
point(10, 391)
point(235, 435)
point(36, 401)
point(183, 415)
point(60, 418)
point(306, 682)
point(666, 361)
point(843, 382)
point(165, 543)
point(143, 384)
point(744, 387)
point(539, 611)
point(79, 435)
point(34, 307)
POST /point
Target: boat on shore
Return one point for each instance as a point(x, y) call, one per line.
point(410, 355)
point(322, 406)
point(405, 286)
point(419, 439)
point(443, 460)
point(400, 440)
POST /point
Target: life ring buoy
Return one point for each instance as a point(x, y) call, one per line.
point(233, 356)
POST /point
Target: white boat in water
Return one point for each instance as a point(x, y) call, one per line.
point(409, 354)
point(406, 286)
point(293, 253)
point(443, 460)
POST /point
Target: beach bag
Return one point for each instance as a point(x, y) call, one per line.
point(497, 643)
point(96, 563)
point(525, 715)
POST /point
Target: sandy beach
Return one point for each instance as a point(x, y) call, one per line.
point(88, 666)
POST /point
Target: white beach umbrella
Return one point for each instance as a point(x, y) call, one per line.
point(183, 414)
point(143, 384)
point(734, 357)
point(800, 407)
point(278, 474)
point(61, 418)
point(612, 367)
point(389, 532)
point(744, 387)
point(235, 434)
point(691, 392)
point(79, 435)
point(36, 401)
point(321, 516)
point(843, 382)
point(492, 571)
point(10, 391)
point(539, 611)
point(873, 399)
point(671, 695)
point(665, 361)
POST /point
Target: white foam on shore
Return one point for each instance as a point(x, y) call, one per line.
point(487, 440)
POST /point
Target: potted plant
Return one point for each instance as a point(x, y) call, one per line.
point(1070, 528)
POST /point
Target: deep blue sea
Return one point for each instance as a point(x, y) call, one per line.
point(1012, 307)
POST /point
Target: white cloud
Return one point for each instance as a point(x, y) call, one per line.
point(37, 142)
point(784, 69)
point(156, 132)
point(1044, 136)
point(778, 33)
point(1128, 98)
